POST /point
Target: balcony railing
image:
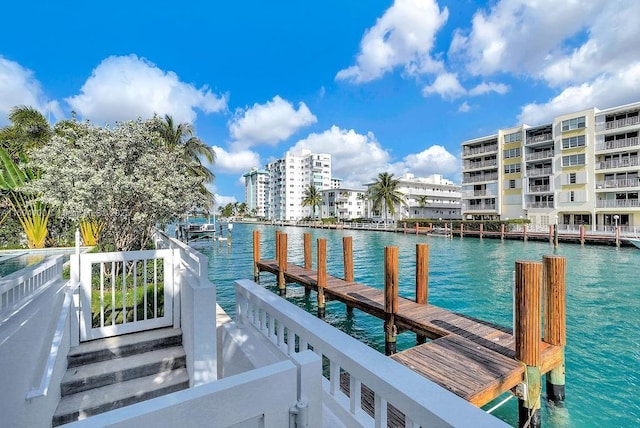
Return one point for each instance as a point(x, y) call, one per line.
point(538, 172)
point(477, 150)
point(481, 207)
point(618, 144)
point(542, 204)
point(539, 155)
point(616, 184)
point(620, 123)
point(472, 193)
point(617, 163)
point(484, 164)
point(478, 178)
point(539, 138)
point(618, 203)
point(540, 189)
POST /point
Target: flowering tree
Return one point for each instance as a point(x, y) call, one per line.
point(125, 177)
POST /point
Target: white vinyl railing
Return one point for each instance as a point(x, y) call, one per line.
point(20, 287)
point(422, 402)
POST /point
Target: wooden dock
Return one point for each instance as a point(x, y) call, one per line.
point(472, 358)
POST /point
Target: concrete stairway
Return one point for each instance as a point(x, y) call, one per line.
point(106, 374)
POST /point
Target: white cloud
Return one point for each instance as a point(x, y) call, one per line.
point(234, 161)
point(536, 38)
point(270, 123)
point(486, 87)
point(128, 87)
point(464, 107)
point(433, 160)
point(356, 158)
point(446, 85)
point(403, 37)
point(605, 91)
point(222, 200)
point(18, 87)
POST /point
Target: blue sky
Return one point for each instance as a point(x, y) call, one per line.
point(381, 85)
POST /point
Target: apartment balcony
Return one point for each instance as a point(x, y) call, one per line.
point(539, 172)
point(537, 139)
point(545, 188)
point(632, 142)
point(467, 151)
point(481, 207)
point(479, 165)
point(620, 123)
point(617, 163)
point(480, 178)
point(618, 184)
point(618, 203)
point(477, 193)
point(540, 204)
point(547, 154)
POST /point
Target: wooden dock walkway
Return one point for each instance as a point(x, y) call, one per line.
point(472, 358)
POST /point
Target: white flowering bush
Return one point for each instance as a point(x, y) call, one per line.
point(125, 176)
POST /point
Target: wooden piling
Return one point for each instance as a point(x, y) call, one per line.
point(322, 275)
point(307, 251)
point(525, 233)
point(555, 235)
point(502, 232)
point(278, 244)
point(417, 228)
point(618, 236)
point(256, 255)
point(527, 331)
point(550, 233)
point(461, 230)
point(390, 298)
point(554, 286)
point(582, 234)
point(481, 230)
point(422, 280)
point(347, 256)
point(282, 263)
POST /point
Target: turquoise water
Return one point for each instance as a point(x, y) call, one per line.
point(10, 263)
point(474, 277)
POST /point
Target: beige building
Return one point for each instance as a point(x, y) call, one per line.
point(580, 169)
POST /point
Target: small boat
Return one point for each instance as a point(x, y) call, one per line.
point(634, 241)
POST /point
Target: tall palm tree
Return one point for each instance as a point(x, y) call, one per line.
point(385, 192)
point(182, 135)
point(28, 130)
point(422, 201)
point(312, 197)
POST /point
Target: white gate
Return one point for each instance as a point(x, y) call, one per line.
point(125, 292)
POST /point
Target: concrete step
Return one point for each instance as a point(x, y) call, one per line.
point(122, 346)
point(96, 375)
point(99, 400)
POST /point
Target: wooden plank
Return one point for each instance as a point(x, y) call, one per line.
point(470, 371)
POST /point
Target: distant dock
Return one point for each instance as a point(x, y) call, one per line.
point(474, 359)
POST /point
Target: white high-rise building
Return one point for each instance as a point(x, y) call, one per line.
point(256, 185)
point(289, 177)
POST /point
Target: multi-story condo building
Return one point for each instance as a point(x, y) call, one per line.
point(289, 177)
point(424, 197)
point(256, 184)
point(343, 204)
point(580, 169)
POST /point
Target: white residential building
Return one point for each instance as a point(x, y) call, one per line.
point(256, 184)
point(343, 204)
point(289, 177)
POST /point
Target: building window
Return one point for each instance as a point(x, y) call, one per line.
point(512, 168)
point(573, 160)
point(572, 196)
point(512, 184)
point(512, 153)
point(572, 178)
point(572, 142)
point(513, 137)
point(575, 123)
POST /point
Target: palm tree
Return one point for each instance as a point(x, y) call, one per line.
point(29, 130)
point(422, 201)
point(182, 135)
point(312, 198)
point(385, 192)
